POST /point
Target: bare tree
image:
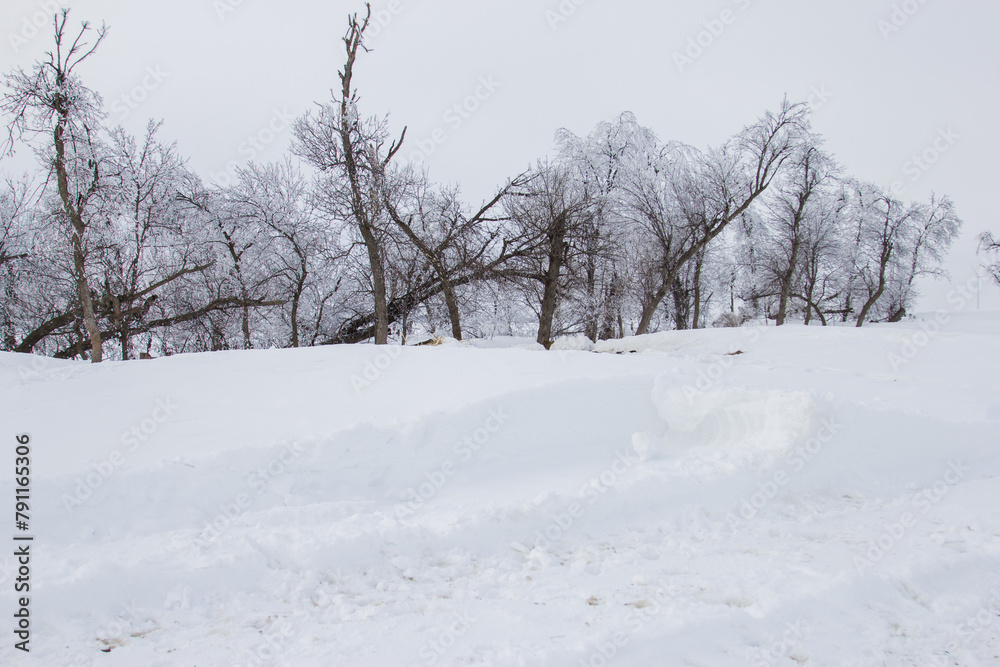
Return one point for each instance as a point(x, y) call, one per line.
point(688, 198)
point(791, 215)
point(151, 243)
point(880, 222)
point(51, 101)
point(550, 217)
point(990, 245)
point(453, 242)
point(349, 152)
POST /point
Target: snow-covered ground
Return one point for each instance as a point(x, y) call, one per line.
point(793, 496)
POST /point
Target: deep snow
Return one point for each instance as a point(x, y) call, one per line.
point(793, 496)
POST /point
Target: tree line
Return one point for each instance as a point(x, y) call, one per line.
point(114, 247)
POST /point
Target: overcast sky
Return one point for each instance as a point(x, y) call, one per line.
point(889, 80)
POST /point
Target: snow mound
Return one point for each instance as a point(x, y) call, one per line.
point(573, 344)
point(749, 426)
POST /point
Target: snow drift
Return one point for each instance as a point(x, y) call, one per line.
point(793, 496)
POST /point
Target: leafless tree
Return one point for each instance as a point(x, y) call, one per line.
point(549, 218)
point(351, 154)
point(50, 101)
point(688, 198)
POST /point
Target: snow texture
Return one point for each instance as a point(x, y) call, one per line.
point(793, 496)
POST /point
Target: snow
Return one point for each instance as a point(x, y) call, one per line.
point(825, 497)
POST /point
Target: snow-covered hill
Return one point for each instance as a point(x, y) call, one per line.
point(794, 496)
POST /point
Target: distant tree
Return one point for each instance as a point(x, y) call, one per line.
point(791, 214)
point(989, 245)
point(598, 163)
point(894, 243)
point(688, 198)
point(925, 241)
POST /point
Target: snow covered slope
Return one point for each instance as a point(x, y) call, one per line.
point(794, 496)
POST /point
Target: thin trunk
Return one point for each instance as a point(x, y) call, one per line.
point(681, 306)
point(697, 293)
point(883, 266)
point(79, 258)
point(295, 319)
point(451, 301)
point(809, 301)
point(793, 260)
point(594, 314)
point(246, 327)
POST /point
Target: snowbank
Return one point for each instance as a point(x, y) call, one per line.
point(824, 497)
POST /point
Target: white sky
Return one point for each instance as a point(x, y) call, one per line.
point(225, 77)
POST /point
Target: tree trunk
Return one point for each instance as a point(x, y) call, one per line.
point(809, 301)
point(451, 301)
point(86, 302)
point(650, 308)
point(362, 216)
point(378, 286)
point(550, 295)
point(697, 293)
point(873, 299)
point(79, 258)
point(789, 274)
point(295, 319)
point(247, 343)
point(594, 314)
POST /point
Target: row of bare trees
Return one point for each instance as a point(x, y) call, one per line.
point(116, 247)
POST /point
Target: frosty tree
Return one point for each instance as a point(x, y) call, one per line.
point(50, 107)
